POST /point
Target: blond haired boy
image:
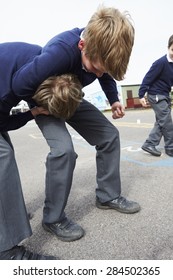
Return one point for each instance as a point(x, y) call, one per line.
point(100, 51)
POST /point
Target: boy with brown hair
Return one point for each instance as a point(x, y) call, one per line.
point(59, 95)
point(157, 84)
point(56, 96)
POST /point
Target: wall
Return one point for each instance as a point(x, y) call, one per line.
point(130, 96)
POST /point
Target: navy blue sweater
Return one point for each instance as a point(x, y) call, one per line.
point(23, 67)
point(12, 57)
point(159, 78)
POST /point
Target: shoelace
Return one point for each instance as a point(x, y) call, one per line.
point(64, 224)
point(119, 200)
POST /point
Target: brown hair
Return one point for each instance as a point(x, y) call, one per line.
point(109, 38)
point(170, 41)
point(60, 95)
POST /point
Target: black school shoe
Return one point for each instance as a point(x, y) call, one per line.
point(152, 150)
point(169, 152)
point(20, 253)
point(120, 204)
point(66, 230)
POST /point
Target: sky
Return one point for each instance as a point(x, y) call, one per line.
point(37, 21)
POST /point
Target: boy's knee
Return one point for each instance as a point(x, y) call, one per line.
point(66, 151)
point(114, 133)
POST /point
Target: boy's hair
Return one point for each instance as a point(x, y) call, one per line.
point(170, 41)
point(60, 95)
point(109, 38)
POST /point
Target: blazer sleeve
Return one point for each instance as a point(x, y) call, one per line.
point(12, 122)
point(54, 60)
point(150, 77)
point(109, 86)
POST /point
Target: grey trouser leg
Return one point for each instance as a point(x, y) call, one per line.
point(163, 125)
point(60, 164)
point(98, 131)
point(14, 223)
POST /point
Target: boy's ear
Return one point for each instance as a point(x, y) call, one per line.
point(81, 44)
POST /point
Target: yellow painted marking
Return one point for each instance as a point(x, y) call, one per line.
point(130, 124)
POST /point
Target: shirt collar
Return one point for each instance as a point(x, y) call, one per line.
point(81, 35)
point(169, 59)
point(83, 67)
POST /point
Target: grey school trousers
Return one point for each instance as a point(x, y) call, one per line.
point(14, 223)
point(95, 128)
point(163, 126)
point(60, 164)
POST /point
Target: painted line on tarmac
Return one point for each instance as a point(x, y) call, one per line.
point(132, 148)
point(133, 124)
point(160, 163)
point(36, 136)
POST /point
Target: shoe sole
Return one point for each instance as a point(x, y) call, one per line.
point(105, 207)
point(65, 239)
point(148, 151)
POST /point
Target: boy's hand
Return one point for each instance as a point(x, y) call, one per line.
point(117, 110)
point(39, 111)
point(143, 102)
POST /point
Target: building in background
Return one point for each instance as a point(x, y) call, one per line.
point(130, 96)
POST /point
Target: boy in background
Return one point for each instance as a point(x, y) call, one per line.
point(157, 84)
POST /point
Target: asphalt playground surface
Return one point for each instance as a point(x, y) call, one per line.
point(110, 235)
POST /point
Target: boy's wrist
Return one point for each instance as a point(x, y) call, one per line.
point(34, 111)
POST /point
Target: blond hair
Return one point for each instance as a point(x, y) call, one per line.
point(109, 38)
point(60, 95)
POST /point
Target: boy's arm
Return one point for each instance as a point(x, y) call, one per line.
point(150, 77)
point(109, 86)
point(12, 122)
point(53, 60)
